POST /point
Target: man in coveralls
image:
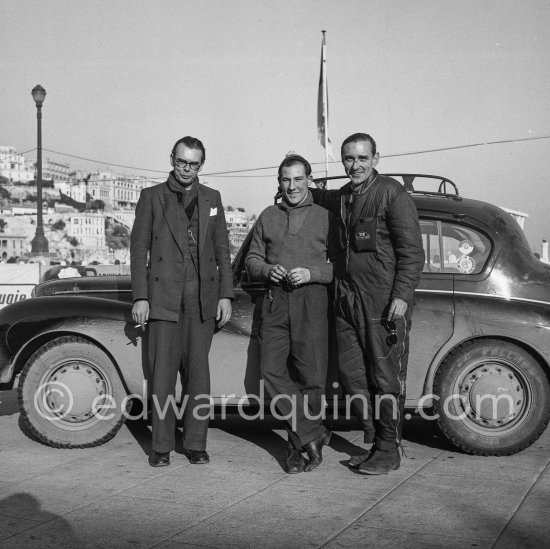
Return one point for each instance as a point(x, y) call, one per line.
point(181, 284)
point(377, 267)
point(289, 250)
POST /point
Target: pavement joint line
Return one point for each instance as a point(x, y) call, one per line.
point(334, 536)
point(219, 511)
point(58, 516)
point(521, 503)
point(184, 543)
point(92, 502)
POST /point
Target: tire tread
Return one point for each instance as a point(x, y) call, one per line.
point(464, 348)
point(26, 423)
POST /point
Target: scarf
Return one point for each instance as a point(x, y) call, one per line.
point(188, 198)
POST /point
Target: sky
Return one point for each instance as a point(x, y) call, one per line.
point(126, 79)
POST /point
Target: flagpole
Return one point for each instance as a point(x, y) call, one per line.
point(325, 103)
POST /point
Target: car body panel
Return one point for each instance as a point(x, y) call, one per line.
point(509, 298)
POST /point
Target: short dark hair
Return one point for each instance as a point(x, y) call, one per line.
point(293, 160)
point(191, 143)
point(359, 137)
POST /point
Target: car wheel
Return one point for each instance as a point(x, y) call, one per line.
point(70, 394)
point(492, 398)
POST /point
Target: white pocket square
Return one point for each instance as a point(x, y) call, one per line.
point(213, 211)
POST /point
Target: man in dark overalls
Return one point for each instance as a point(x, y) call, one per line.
point(377, 268)
point(289, 251)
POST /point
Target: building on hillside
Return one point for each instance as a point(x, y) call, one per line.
point(55, 171)
point(238, 225)
point(74, 187)
point(12, 245)
point(117, 191)
point(88, 229)
point(28, 210)
point(14, 166)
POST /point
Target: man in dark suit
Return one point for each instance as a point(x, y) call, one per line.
point(181, 284)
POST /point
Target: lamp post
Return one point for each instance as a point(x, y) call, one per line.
point(39, 242)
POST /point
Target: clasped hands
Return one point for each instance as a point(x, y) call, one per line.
point(295, 277)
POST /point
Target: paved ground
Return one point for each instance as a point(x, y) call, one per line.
point(110, 497)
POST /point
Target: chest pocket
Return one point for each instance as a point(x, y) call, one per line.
point(363, 235)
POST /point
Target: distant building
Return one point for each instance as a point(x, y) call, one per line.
point(14, 166)
point(74, 187)
point(544, 251)
point(28, 210)
point(520, 217)
point(55, 171)
point(12, 245)
point(238, 225)
point(117, 191)
point(88, 229)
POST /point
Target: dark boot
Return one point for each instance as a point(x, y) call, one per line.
point(380, 462)
point(355, 461)
point(294, 460)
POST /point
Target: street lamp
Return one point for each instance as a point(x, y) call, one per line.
point(39, 242)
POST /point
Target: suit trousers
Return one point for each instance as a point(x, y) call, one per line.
point(294, 357)
point(181, 346)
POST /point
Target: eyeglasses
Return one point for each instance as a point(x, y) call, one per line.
point(391, 326)
point(182, 164)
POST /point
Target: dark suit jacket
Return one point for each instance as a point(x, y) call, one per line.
point(156, 252)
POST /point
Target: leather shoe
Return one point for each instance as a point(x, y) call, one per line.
point(314, 450)
point(197, 457)
point(380, 462)
point(159, 459)
point(294, 461)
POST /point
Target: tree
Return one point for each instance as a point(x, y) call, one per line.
point(4, 193)
point(230, 208)
point(97, 205)
point(120, 230)
point(3, 225)
point(59, 225)
point(73, 241)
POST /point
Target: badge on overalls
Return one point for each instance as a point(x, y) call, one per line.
point(364, 235)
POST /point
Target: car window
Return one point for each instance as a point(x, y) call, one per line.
point(453, 248)
point(430, 241)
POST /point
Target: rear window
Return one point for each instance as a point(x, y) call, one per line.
point(453, 248)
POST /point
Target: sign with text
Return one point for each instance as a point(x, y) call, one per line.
point(10, 293)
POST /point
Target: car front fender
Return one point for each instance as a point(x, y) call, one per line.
point(27, 325)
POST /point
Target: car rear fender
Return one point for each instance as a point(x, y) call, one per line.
point(492, 318)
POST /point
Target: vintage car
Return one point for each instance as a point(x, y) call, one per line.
point(479, 350)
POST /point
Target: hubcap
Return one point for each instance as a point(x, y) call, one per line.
point(72, 392)
point(493, 395)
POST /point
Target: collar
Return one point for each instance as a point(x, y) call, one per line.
point(307, 201)
point(361, 189)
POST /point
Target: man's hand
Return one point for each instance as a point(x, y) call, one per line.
point(298, 275)
point(277, 273)
point(398, 308)
point(223, 313)
point(140, 313)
